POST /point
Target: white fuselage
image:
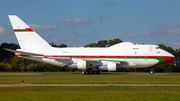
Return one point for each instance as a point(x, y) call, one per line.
point(121, 55)
point(126, 55)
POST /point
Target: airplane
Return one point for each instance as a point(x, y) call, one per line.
point(89, 60)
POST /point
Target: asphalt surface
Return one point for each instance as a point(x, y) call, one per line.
point(76, 73)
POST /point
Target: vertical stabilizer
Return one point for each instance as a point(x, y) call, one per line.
point(27, 38)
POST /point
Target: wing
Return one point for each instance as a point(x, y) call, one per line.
point(94, 62)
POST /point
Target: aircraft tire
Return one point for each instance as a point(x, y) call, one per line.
point(87, 72)
point(151, 72)
point(83, 72)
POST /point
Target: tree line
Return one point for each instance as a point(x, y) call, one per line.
point(24, 65)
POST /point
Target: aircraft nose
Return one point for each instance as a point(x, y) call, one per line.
point(169, 58)
point(172, 58)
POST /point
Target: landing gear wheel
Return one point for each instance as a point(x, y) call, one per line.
point(152, 71)
point(83, 72)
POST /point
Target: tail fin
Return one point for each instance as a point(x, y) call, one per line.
point(27, 38)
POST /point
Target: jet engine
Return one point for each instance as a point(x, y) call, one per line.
point(81, 65)
point(78, 65)
point(111, 66)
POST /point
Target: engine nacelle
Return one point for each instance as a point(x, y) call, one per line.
point(81, 65)
point(78, 65)
point(111, 66)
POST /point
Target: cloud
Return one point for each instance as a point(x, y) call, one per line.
point(109, 3)
point(44, 27)
point(158, 33)
point(70, 23)
point(81, 20)
point(100, 18)
point(166, 30)
point(56, 38)
point(4, 31)
point(169, 29)
point(175, 44)
point(131, 34)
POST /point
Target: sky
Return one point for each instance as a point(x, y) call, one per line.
point(80, 22)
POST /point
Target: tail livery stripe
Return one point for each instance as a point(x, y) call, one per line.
point(23, 30)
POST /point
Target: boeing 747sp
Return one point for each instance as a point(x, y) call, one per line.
point(89, 60)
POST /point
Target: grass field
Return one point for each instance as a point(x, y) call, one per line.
point(108, 93)
point(90, 79)
point(89, 93)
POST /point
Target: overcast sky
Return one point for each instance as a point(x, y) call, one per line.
point(80, 22)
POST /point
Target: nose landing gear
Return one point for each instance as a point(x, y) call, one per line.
point(152, 70)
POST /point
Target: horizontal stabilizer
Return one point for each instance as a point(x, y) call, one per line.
point(24, 53)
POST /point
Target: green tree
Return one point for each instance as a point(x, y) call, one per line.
point(15, 63)
point(2, 67)
point(102, 43)
point(114, 41)
point(53, 45)
point(8, 46)
point(62, 45)
point(169, 49)
point(20, 64)
point(162, 46)
point(91, 45)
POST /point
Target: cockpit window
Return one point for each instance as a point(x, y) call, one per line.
point(158, 48)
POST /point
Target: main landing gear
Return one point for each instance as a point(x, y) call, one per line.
point(90, 72)
point(152, 71)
